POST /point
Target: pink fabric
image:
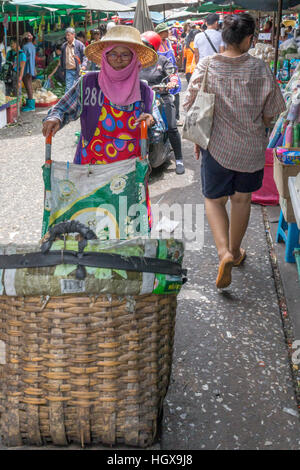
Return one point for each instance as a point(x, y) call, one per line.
point(121, 87)
point(267, 195)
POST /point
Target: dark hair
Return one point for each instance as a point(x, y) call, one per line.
point(212, 18)
point(237, 27)
point(191, 36)
point(81, 35)
point(58, 47)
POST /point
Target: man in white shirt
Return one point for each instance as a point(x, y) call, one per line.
point(210, 41)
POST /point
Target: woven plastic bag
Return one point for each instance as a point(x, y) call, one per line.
point(109, 199)
point(199, 118)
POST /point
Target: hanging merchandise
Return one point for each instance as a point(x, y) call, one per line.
point(285, 137)
point(40, 33)
point(59, 23)
point(72, 24)
point(88, 36)
point(48, 28)
point(35, 26)
point(43, 22)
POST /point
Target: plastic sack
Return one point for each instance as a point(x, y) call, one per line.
point(109, 199)
point(61, 279)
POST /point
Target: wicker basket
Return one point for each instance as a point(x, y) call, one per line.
point(84, 369)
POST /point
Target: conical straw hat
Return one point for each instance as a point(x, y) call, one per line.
point(126, 35)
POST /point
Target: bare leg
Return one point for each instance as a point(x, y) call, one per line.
point(27, 79)
point(219, 223)
point(239, 219)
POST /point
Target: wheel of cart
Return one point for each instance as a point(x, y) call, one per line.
point(86, 338)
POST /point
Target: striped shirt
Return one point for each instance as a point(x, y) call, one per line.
point(245, 91)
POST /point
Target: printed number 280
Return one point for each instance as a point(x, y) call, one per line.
point(92, 97)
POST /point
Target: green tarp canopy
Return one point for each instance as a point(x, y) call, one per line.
point(211, 7)
point(56, 4)
point(262, 5)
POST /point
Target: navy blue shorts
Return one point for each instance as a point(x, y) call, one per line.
point(218, 181)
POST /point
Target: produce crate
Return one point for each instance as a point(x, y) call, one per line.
point(281, 175)
point(12, 113)
point(45, 105)
point(84, 368)
point(287, 209)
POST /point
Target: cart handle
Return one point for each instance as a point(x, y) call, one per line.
point(48, 142)
point(49, 139)
point(70, 226)
point(144, 130)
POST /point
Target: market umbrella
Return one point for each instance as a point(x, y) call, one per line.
point(56, 4)
point(103, 5)
point(142, 19)
point(184, 15)
point(213, 7)
point(163, 5)
point(261, 5)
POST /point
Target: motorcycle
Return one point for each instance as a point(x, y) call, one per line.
point(159, 144)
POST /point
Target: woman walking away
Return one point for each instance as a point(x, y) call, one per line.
point(189, 57)
point(247, 98)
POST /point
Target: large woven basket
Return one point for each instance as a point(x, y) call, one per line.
point(84, 369)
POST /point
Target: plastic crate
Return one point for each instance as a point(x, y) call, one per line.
point(12, 113)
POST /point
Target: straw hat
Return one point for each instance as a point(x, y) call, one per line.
point(126, 35)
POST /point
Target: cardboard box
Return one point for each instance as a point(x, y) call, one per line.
point(281, 174)
point(287, 209)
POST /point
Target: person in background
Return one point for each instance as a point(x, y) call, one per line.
point(57, 71)
point(81, 37)
point(29, 72)
point(110, 25)
point(189, 55)
point(186, 29)
point(166, 49)
point(290, 33)
point(232, 167)
point(268, 27)
point(163, 71)
point(13, 86)
point(209, 41)
point(72, 58)
point(96, 37)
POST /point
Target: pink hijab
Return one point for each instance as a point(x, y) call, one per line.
point(121, 87)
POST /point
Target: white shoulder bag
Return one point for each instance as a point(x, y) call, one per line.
point(199, 118)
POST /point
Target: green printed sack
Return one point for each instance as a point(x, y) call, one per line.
point(109, 199)
point(61, 279)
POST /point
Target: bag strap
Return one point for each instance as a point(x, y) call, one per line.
point(91, 259)
point(204, 81)
point(189, 47)
point(209, 40)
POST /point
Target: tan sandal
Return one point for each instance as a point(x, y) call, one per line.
point(224, 274)
point(241, 258)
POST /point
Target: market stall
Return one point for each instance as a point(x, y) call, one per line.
point(285, 145)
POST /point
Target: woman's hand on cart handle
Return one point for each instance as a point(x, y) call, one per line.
point(150, 121)
point(51, 127)
point(197, 151)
